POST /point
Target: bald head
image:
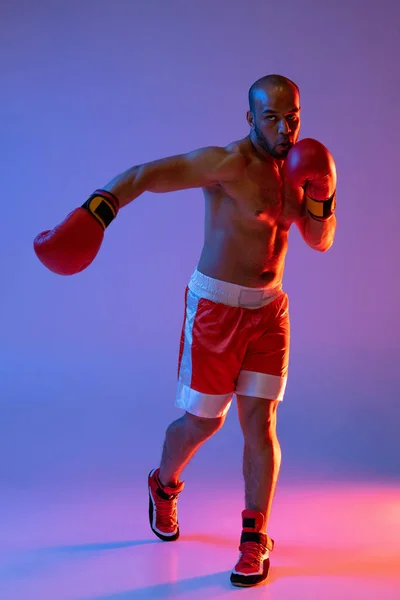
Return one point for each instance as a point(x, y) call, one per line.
point(265, 84)
point(274, 114)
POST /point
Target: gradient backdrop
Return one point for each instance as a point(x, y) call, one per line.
point(88, 363)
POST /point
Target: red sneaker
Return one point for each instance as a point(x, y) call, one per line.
point(253, 564)
point(162, 508)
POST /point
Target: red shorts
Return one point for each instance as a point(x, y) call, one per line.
point(235, 340)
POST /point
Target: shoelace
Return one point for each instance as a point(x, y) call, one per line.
point(166, 511)
point(252, 554)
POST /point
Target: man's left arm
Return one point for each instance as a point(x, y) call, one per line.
point(310, 165)
point(317, 230)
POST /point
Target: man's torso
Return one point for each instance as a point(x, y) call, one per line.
point(247, 223)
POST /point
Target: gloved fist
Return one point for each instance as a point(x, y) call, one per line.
point(310, 165)
point(73, 244)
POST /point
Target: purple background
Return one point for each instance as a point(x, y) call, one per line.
point(88, 363)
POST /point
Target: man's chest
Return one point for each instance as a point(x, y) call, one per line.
point(265, 194)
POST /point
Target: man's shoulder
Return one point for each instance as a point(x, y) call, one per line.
point(236, 154)
point(224, 163)
point(241, 147)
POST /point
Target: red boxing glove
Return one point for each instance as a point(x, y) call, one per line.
point(310, 165)
point(73, 244)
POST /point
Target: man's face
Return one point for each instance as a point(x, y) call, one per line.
point(275, 119)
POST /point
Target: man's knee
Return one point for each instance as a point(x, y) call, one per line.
point(258, 417)
point(202, 426)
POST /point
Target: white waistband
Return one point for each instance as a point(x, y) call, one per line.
point(232, 294)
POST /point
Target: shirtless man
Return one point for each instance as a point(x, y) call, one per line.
point(235, 338)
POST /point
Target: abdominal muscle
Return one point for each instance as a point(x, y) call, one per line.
point(247, 249)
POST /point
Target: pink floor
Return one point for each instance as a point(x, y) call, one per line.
point(332, 541)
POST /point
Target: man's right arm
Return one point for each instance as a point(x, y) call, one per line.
point(200, 168)
point(73, 244)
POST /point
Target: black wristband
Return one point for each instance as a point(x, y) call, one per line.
point(321, 210)
point(103, 206)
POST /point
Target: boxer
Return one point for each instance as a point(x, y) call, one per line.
point(236, 331)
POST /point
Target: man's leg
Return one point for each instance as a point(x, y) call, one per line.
point(261, 463)
point(262, 452)
point(182, 439)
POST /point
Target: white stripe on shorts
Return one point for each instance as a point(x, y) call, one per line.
point(209, 406)
point(185, 371)
point(261, 385)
